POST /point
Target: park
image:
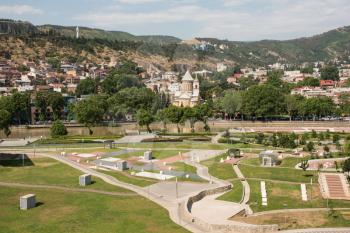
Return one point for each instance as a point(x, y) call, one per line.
point(236, 180)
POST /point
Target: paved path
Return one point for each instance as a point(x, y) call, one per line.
point(170, 206)
point(246, 187)
point(134, 138)
point(5, 184)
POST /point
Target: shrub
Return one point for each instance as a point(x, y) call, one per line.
point(58, 129)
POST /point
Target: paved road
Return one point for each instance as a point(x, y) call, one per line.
point(5, 184)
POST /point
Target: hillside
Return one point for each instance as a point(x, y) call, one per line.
point(24, 40)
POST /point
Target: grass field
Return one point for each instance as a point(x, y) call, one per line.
point(178, 145)
point(47, 171)
point(275, 173)
point(180, 166)
point(299, 220)
point(127, 178)
point(82, 212)
point(288, 196)
point(222, 171)
point(157, 154)
point(235, 195)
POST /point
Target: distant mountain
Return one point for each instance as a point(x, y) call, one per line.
point(326, 46)
point(171, 51)
point(160, 39)
point(89, 33)
point(12, 27)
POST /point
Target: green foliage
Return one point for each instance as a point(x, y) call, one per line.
point(90, 112)
point(309, 82)
point(144, 118)
point(346, 166)
point(130, 100)
point(310, 146)
point(304, 165)
point(263, 101)
point(330, 73)
point(335, 138)
point(87, 87)
point(115, 82)
point(231, 102)
point(5, 121)
point(58, 129)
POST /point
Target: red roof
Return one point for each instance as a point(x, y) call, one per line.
point(327, 83)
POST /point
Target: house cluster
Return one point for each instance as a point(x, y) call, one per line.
point(30, 76)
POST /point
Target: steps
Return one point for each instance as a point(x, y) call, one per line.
point(335, 186)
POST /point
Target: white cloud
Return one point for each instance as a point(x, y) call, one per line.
point(19, 10)
point(269, 19)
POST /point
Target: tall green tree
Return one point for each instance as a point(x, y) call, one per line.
point(144, 118)
point(87, 86)
point(330, 72)
point(90, 112)
point(231, 102)
point(5, 121)
point(263, 101)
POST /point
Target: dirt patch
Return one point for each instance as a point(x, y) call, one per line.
point(288, 220)
point(276, 191)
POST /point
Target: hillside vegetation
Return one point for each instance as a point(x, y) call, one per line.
point(166, 51)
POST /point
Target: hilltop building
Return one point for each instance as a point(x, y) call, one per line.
point(188, 94)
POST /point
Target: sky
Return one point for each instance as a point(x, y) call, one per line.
point(238, 20)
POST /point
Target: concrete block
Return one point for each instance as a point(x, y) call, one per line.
point(27, 202)
point(84, 180)
point(122, 165)
point(147, 155)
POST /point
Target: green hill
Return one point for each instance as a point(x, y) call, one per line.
point(89, 33)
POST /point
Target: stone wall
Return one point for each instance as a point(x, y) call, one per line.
point(234, 227)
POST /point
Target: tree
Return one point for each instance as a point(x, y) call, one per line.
point(309, 82)
point(161, 116)
point(90, 112)
point(310, 146)
point(130, 100)
point(330, 73)
point(304, 165)
point(246, 82)
point(292, 105)
point(231, 102)
point(203, 112)
point(259, 138)
point(58, 129)
point(41, 102)
point(5, 122)
point(336, 138)
point(263, 101)
point(56, 101)
point(174, 115)
point(87, 87)
point(115, 82)
point(189, 114)
point(346, 166)
point(144, 118)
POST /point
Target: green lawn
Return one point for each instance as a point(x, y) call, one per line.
point(275, 173)
point(82, 212)
point(292, 162)
point(157, 154)
point(222, 171)
point(251, 161)
point(127, 178)
point(47, 171)
point(288, 196)
point(235, 195)
point(178, 145)
point(180, 166)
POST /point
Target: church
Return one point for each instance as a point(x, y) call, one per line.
point(188, 93)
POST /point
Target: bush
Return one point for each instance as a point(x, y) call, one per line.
point(227, 140)
point(162, 140)
point(58, 129)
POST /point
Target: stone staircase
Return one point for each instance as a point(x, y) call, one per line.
point(334, 186)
